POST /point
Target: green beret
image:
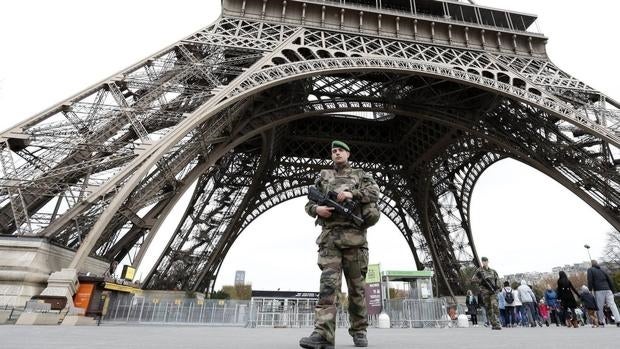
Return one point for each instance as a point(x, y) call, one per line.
point(340, 144)
point(484, 259)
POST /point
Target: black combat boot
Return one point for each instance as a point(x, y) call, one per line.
point(360, 340)
point(315, 341)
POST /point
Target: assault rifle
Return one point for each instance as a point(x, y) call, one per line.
point(486, 283)
point(346, 208)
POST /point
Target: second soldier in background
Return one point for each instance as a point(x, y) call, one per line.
point(487, 281)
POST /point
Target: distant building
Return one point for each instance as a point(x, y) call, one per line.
point(240, 278)
point(535, 277)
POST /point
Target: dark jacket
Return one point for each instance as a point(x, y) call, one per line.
point(565, 293)
point(598, 280)
point(588, 301)
point(472, 304)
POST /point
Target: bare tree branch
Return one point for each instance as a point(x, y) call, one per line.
point(612, 249)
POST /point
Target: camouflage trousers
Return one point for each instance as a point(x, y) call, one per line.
point(333, 262)
point(491, 307)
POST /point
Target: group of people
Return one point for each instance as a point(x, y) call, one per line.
point(521, 307)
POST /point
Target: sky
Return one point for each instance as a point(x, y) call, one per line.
point(521, 220)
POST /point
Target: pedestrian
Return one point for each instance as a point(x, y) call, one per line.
point(565, 294)
point(543, 309)
point(537, 315)
point(343, 247)
point(501, 303)
point(509, 296)
point(589, 303)
point(600, 283)
point(486, 279)
point(471, 302)
point(519, 308)
point(528, 299)
point(551, 299)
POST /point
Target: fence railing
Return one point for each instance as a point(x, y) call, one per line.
point(403, 313)
point(9, 314)
point(418, 313)
point(207, 312)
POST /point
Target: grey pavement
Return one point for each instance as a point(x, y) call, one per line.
point(149, 336)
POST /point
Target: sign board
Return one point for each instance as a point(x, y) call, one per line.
point(374, 274)
point(425, 290)
point(372, 290)
point(122, 288)
point(284, 294)
point(128, 273)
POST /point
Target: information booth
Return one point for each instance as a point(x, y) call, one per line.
point(283, 308)
point(414, 284)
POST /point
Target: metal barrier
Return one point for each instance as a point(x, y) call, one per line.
point(10, 314)
point(408, 313)
point(208, 312)
point(482, 314)
point(288, 313)
point(418, 313)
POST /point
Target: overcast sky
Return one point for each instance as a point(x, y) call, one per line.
point(521, 220)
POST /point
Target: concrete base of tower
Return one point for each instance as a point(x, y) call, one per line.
point(29, 265)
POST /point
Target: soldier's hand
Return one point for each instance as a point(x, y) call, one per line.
point(324, 211)
point(343, 195)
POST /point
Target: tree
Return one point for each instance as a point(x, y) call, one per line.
point(220, 295)
point(615, 278)
point(240, 292)
point(611, 253)
point(577, 279)
point(466, 275)
point(396, 293)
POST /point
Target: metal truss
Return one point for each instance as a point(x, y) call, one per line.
point(245, 108)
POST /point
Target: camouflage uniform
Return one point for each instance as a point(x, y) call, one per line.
point(342, 248)
point(489, 298)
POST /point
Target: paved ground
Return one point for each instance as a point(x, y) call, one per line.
point(209, 337)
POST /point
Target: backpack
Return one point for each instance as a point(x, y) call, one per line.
point(510, 298)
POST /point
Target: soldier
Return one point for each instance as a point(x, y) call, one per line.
point(486, 279)
point(342, 247)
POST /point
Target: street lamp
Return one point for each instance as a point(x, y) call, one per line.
point(588, 249)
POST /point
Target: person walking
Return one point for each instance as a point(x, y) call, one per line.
point(589, 303)
point(543, 309)
point(486, 279)
point(600, 283)
point(343, 248)
point(471, 302)
point(501, 302)
point(519, 315)
point(568, 303)
point(509, 296)
point(529, 306)
point(551, 299)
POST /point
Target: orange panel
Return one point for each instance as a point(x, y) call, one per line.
point(83, 295)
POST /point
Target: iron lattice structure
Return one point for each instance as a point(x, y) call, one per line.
point(429, 93)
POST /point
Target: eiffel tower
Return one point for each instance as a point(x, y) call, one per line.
point(429, 93)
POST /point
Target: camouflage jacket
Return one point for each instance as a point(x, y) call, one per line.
point(490, 275)
point(364, 190)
